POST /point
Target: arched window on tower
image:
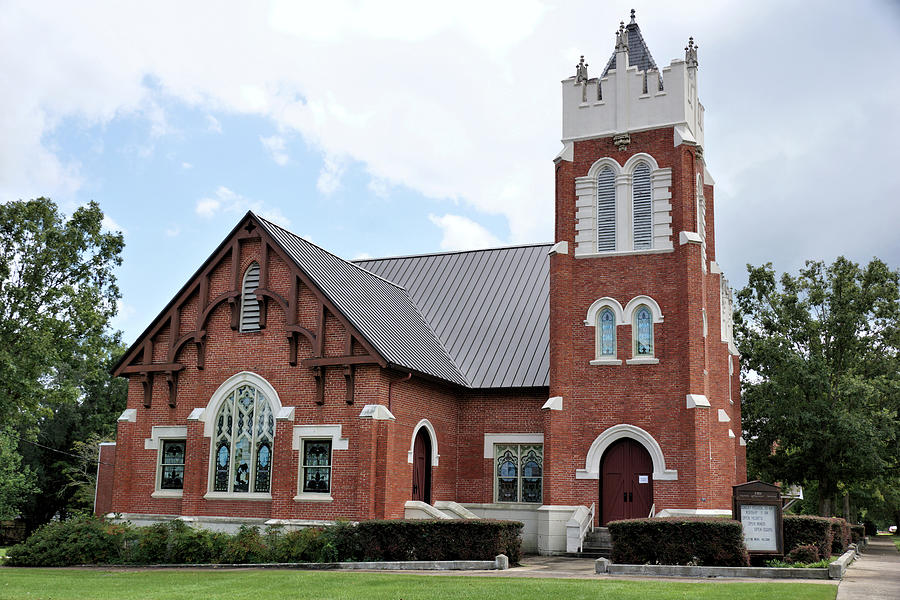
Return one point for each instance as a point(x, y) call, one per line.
point(244, 431)
point(249, 303)
point(606, 210)
point(606, 334)
point(642, 329)
point(642, 207)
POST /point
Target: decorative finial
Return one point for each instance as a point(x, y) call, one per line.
point(622, 38)
point(690, 53)
point(581, 72)
point(632, 15)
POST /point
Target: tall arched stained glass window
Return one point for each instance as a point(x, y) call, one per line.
point(643, 331)
point(606, 210)
point(642, 207)
point(243, 436)
point(607, 332)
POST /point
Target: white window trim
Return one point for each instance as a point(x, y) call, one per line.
point(435, 456)
point(512, 439)
point(586, 208)
point(208, 417)
point(616, 432)
point(158, 434)
point(316, 432)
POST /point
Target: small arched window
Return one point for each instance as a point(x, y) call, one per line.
point(606, 333)
point(249, 303)
point(643, 331)
point(642, 207)
point(244, 430)
point(606, 210)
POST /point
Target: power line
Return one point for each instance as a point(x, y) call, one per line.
point(39, 445)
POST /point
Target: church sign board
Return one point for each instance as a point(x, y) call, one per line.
point(757, 505)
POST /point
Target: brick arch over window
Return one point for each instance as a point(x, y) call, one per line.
point(434, 442)
point(616, 432)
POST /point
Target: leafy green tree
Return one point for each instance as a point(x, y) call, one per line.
point(15, 481)
point(821, 375)
point(57, 295)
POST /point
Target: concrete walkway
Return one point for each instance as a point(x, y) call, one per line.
point(876, 575)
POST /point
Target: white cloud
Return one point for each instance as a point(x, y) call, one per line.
point(362, 256)
point(462, 233)
point(110, 225)
point(226, 201)
point(124, 312)
point(187, 166)
point(379, 187)
point(213, 125)
point(275, 146)
point(173, 231)
point(477, 124)
point(330, 175)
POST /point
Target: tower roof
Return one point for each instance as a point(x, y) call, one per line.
point(638, 53)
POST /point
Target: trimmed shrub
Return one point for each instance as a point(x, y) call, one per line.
point(246, 546)
point(427, 540)
point(857, 533)
point(870, 527)
point(78, 541)
point(677, 541)
point(302, 545)
point(807, 553)
point(840, 536)
point(802, 530)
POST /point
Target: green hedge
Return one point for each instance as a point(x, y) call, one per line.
point(840, 536)
point(676, 541)
point(89, 540)
point(857, 533)
point(803, 530)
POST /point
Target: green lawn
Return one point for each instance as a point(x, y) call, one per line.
point(65, 584)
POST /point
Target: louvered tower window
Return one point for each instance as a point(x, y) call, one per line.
point(606, 210)
point(642, 206)
point(249, 303)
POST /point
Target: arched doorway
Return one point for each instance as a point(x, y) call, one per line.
point(421, 484)
point(626, 482)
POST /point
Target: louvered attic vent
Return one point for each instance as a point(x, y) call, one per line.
point(249, 303)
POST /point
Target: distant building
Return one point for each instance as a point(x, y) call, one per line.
point(283, 384)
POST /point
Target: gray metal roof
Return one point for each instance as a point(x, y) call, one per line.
point(638, 52)
point(380, 310)
point(489, 308)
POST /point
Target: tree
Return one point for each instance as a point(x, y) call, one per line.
point(57, 294)
point(821, 375)
point(15, 482)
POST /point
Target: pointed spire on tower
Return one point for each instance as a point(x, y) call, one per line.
point(629, 38)
point(581, 72)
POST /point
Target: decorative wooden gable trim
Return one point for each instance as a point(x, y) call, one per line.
point(139, 358)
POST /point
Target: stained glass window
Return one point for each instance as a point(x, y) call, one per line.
point(172, 465)
point(520, 469)
point(607, 333)
point(243, 436)
point(643, 338)
point(316, 475)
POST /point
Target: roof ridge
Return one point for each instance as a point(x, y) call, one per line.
point(315, 245)
point(448, 252)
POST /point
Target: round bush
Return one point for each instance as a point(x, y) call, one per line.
point(807, 553)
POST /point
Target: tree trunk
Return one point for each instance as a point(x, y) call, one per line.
point(825, 505)
point(847, 507)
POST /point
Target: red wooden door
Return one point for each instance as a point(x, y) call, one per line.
point(421, 485)
point(626, 482)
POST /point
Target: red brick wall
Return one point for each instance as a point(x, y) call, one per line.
point(651, 397)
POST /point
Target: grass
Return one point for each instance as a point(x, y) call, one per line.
point(73, 584)
point(819, 564)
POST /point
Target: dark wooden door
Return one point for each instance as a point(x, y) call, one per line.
point(626, 482)
point(421, 485)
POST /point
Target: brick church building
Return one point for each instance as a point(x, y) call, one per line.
point(563, 385)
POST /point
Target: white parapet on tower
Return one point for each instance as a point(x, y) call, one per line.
point(633, 95)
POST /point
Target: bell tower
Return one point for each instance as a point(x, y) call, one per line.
point(641, 349)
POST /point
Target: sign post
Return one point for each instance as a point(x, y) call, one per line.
point(757, 505)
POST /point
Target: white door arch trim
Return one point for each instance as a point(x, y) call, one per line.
point(615, 433)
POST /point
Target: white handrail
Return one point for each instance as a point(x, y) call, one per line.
point(652, 510)
point(587, 524)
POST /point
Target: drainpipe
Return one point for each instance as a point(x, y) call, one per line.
point(392, 382)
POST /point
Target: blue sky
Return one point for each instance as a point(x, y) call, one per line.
point(383, 128)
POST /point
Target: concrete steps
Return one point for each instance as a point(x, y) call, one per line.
point(597, 544)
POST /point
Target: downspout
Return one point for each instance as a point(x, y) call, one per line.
point(391, 384)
